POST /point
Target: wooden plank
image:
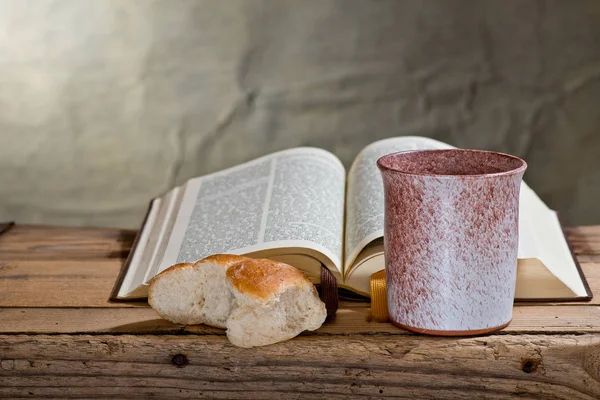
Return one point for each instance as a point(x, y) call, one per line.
point(83, 283)
point(26, 242)
point(80, 283)
point(77, 267)
point(65, 243)
point(60, 283)
point(585, 258)
point(350, 357)
point(585, 240)
point(349, 321)
point(90, 320)
point(491, 367)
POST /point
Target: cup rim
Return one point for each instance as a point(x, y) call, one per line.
point(513, 171)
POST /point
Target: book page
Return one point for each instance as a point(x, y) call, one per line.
point(135, 274)
point(364, 199)
point(540, 233)
point(290, 199)
point(541, 237)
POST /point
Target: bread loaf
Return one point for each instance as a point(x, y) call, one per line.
point(273, 302)
point(259, 301)
point(191, 294)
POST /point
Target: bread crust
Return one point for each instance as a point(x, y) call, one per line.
point(223, 260)
point(166, 272)
point(265, 279)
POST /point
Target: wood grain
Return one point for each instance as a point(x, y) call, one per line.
point(27, 242)
point(89, 283)
point(77, 267)
point(585, 240)
point(66, 243)
point(59, 337)
point(44, 266)
point(494, 367)
point(81, 283)
point(60, 283)
point(349, 321)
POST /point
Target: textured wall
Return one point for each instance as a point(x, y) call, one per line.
point(106, 104)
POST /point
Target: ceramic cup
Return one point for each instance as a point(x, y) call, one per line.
point(451, 239)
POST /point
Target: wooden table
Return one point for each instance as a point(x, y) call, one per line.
point(60, 337)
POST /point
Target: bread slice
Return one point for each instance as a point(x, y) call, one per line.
point(193, 294)
point(273, 302)
point(259, 301)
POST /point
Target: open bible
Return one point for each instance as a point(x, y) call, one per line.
point(301, 206)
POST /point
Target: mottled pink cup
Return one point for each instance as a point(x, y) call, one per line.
point(451, 239)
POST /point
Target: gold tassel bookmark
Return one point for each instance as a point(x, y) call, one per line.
point(379, 308)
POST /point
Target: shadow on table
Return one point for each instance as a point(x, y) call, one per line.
point(162, 327)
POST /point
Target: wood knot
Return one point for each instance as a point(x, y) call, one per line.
point(179, 360)
point(529, 366)
point(7, 365)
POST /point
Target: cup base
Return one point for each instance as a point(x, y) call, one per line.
point(433, 332)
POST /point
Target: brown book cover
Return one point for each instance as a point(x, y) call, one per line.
point(5, 226)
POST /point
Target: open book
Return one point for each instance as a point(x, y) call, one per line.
point(301, 206)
